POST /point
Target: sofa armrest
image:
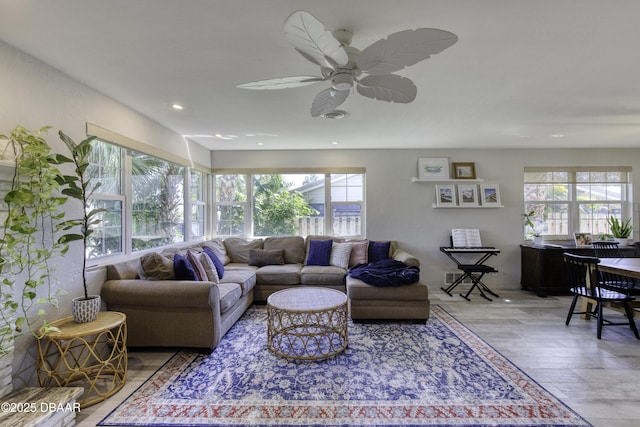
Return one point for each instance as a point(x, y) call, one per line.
point(161, 293)
point(406, 258)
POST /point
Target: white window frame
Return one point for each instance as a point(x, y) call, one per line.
point(328, 203)
point(573, 219)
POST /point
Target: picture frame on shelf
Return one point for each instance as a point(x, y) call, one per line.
point(583, 239)
point(446, 195)
point(433, 168)
point(490, 195)
point(467, 195)
point(464, 170)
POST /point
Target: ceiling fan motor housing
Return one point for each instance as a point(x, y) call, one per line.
point(342, 81)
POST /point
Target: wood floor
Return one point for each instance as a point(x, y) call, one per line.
point(599, 379)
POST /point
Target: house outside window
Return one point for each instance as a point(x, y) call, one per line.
point(576, 200)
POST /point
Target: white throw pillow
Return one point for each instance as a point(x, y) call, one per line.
point(340, 253)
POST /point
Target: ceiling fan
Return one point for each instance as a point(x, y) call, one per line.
point(344, 65)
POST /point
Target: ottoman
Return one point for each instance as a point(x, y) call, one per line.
point(405, 302)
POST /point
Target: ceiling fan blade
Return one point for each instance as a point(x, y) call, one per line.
point(313, 41)
point(328, 100)
point(403, 49)
point(391, 88)
point(281, 83)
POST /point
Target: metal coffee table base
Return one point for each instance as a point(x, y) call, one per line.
point(307, 334)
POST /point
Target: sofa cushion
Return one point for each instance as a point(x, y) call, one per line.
point(358, 290)
point(261, 257)
point(218, 248)
point(124, 270)
point(238, 248)
point(286, 274)
point(319, 252)
point(378, 251)
point(244, 277)
point(183, 268)
point(154, 266)
point(340, 254)
point(293, 246)
point(230, 293)
point(322, 275)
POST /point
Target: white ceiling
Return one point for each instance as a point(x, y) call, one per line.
point(522, 73)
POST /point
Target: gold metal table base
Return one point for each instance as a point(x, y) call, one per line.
point(307, 323)
point(92, 355)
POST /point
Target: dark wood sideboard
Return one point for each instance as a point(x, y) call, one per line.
point(543, 271)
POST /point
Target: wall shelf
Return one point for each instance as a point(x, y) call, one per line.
point(415, 179)
point(435, 206)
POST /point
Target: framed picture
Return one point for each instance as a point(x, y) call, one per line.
point(433, 168)
point(446, 195)
point(582, 239)
point(468, 195)
point(490, 195)
point(465, 170)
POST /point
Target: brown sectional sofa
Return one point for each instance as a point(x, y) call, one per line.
point(185, 313)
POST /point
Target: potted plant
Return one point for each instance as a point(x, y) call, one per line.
point(621, 230)
point(80, 187)
point(528, 223)
point(30, 238)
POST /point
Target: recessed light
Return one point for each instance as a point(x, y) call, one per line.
point(334, 142)
point(177, 107)
point(557, 135)
point(259, 143)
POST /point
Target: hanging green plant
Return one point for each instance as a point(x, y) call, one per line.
point(32, 237)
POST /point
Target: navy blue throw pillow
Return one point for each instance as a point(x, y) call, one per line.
point(216, 261)
point(183, 268)
point(378, 251)
point(319, 252)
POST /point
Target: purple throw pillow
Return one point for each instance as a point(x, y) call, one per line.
point(183, 268)
point(216, 261)
point(378, 251)
point(319, 252)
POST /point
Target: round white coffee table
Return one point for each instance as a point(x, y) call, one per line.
point(307, 323)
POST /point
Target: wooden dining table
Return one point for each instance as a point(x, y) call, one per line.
point(629, 267)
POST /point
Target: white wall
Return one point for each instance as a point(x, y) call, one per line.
point(34, 95)
point(400, 209)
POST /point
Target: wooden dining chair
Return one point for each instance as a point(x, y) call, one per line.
point(585, 281)
point(608, 249)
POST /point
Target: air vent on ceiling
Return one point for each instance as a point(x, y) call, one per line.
point(335, 115)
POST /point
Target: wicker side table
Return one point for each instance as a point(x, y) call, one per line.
point(92, 355)
point(307, 323)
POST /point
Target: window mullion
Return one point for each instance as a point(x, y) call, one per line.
point(128, 204)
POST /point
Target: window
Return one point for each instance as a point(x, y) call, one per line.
point(145, 199)
point(289, 204)
point(198, 204)
point(575, 200)
point(105, 167)
point(157, 196)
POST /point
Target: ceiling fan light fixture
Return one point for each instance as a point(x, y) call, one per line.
point(342, 81)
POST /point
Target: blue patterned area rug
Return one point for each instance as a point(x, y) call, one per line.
point(391, 374)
